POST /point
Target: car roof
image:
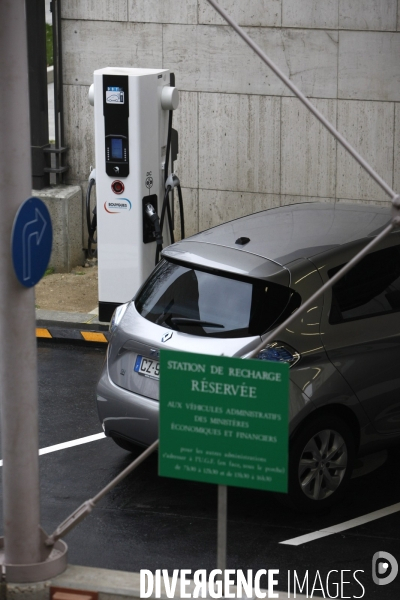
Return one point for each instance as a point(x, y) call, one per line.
point(287, 233)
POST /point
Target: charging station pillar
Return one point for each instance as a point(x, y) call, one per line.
point(131, 128)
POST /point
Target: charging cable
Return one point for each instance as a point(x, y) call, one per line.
point(171, 181)
point(91, 222)
point(165, 204)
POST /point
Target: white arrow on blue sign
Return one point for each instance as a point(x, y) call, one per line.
point(31, 241)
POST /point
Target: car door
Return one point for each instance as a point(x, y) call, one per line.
point(360, 328)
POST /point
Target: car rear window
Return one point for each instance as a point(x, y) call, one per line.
point(213, 304)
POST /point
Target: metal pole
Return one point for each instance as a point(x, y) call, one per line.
point(18, 360)
point(57, 142)
point(222, 531)
point(363, 163)
point(60, 80)
point(57, 150)
point(37, 62)
point(84, 509)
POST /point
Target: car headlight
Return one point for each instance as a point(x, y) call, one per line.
point(117, 316)
point(279, 352)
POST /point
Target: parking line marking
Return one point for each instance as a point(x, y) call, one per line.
point(70, 444)
point(309, 537)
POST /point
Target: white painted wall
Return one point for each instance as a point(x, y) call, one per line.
point(245, 142)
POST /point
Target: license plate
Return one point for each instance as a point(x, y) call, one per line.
point(147, 367)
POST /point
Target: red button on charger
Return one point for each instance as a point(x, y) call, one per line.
point(117, 187)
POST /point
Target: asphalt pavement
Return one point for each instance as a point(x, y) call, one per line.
point(153, 522)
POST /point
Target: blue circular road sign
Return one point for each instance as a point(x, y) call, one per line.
point(31, 241)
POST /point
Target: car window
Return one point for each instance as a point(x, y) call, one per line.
point(370, 289)
point(216, 304)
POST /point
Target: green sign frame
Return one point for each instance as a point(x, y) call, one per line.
point(224, 420)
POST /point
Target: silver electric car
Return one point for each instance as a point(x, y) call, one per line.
point(222, 290)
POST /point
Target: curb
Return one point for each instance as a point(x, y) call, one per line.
point(60, 331)
point(87, 583)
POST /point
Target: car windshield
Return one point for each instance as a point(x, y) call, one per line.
point(214, 304)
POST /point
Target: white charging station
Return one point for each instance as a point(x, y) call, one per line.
point(131, 108)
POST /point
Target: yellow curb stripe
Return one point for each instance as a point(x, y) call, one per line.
point(43, 333)
point(91, 336)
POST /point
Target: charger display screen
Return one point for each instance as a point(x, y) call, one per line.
point(115, 95)
point(116, 124)
point(116, 149)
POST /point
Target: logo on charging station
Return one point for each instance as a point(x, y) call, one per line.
point(117, 206)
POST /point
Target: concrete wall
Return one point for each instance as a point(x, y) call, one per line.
point(245, 142)
point(64, 203)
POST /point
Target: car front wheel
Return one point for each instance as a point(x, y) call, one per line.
point(320, 463)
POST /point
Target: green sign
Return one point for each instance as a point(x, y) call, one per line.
point(224, 420)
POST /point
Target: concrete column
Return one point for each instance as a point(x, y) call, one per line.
point(18, 360)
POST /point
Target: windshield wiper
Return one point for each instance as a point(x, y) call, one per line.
point(195, 322)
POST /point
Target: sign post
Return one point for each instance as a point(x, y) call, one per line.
point(222, 531)
point(23, 555)
point(18, 376)
point(224, 421)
